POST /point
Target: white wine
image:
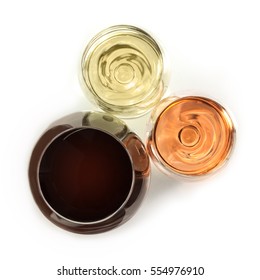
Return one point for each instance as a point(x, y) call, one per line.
point(122, 67)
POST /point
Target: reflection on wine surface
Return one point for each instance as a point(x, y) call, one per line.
point(191, 136)
point(122, 67)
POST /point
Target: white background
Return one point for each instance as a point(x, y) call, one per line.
point(212, 46)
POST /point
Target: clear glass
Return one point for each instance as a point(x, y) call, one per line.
point(190, 136)
point(122, 71)
point(88, 172)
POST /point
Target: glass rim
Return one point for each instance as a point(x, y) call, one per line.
point(227, 119)
point(78, 129)
point(124, 111)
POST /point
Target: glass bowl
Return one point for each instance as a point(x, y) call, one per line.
point(190, 136)
point(122, 71)
point(89, 172)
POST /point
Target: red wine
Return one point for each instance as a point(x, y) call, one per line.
point(85, 175)
point(89, 172)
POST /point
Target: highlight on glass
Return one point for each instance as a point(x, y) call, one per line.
point(190, 136)
point(88, 172)
point(122, 71)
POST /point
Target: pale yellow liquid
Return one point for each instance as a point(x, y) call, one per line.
point(123, 67)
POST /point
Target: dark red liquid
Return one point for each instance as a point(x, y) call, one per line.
point(85, 175)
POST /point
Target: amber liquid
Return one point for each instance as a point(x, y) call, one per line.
point(193, 135)
point(85, 175)
point(123, 67)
